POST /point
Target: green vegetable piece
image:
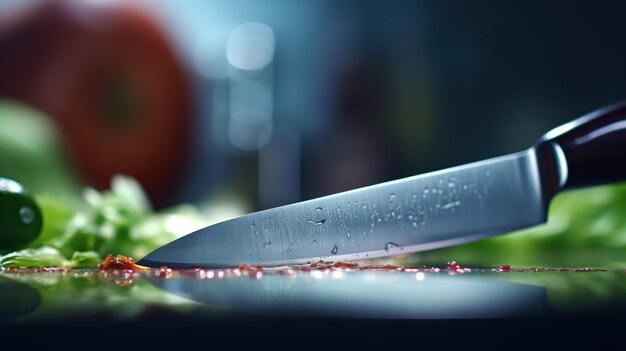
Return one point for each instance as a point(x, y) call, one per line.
point(20, 217)
point(41, 257)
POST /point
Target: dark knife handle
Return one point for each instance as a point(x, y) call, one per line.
point(593, 147)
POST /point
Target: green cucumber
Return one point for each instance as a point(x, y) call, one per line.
point(20, 217)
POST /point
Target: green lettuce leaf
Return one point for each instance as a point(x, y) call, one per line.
point(118, 221)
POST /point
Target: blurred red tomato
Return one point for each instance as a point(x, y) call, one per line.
point(105, 72)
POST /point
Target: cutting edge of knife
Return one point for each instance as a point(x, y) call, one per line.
point(334, 258)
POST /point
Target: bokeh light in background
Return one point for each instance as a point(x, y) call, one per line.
point(250, 46)
point(297, 99)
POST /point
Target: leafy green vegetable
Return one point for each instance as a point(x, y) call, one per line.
point(119, 221)
point(47, 256)
point(84, 259)
point(43, 256)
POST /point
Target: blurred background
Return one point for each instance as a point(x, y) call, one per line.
point(279, 101)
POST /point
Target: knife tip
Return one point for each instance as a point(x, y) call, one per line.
point(149, 263)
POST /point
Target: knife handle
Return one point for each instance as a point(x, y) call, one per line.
point(590, 150)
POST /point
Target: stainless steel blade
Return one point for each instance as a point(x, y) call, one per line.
point(428, 211)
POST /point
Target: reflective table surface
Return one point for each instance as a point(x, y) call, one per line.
point(365, 299)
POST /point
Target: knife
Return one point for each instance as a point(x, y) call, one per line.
point(423, 212)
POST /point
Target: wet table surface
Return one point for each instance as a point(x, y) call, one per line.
point(340, 295)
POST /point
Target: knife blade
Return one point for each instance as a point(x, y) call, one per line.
point(423, 212)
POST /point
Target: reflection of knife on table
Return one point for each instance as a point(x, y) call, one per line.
point(432, 210)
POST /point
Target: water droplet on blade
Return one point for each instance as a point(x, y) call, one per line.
point(391, 246)
point(334, 250)
point(451, 205)
point(316, 222)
